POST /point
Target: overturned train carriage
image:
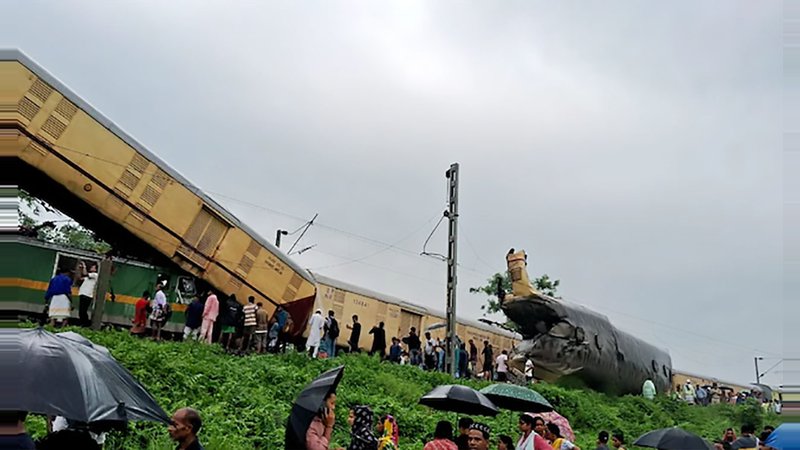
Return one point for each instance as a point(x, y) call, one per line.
point(570, 341)
point(567, 340)
point(60, 149)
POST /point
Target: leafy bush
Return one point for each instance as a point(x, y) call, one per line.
point(245, 401)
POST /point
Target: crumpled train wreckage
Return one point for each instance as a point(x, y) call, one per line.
point(568, 340)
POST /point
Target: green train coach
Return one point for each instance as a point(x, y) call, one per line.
point(29, 264)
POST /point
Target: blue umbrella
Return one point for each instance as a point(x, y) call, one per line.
point(785, 437)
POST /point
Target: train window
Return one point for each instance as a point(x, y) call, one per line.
point(597, 341)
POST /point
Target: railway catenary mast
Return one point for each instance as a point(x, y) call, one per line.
point(59, 148)
point(452, 265)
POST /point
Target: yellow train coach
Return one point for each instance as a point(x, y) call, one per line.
point(398, 316)
point(60, 149)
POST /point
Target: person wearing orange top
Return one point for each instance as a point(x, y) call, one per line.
point(140, 314)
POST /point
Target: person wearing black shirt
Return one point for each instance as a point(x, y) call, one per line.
point(12, 431)
point(414, 345)
point(462, 361)
point(355, 334)
point(231, 316)
point(183, 429)
point(378, 340)
point(602, 441)
point(488, 360)
point(331, 333)
point(462, 440)
point(746, 439)
point(473, 357)
point(194, 319)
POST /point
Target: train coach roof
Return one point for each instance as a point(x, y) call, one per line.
point(22, 58)
point(408, 305)
point(71, 251)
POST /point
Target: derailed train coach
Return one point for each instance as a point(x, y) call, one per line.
point(22, 286)
point(567, 340)
point(398, 316)
point(22, 289)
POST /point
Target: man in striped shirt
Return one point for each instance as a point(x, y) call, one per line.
point(250, 322)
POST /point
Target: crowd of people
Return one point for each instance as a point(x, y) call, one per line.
point(185, 424)
point(426, 352)
point(241, 328)
point(368, 434)
point(245, 328)
point(746, 440)
point(715, 394)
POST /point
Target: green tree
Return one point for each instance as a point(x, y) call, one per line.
point(543, 284)
point(492, 304)
point(69, 234)
point(547, 286)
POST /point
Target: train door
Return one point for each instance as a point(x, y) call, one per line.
point(409, 319)
point(72, 262)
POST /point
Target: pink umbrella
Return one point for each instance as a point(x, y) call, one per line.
point(561, 421)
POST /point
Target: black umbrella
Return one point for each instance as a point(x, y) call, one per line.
point(73, 336)
point(45, 373)
point(308, 404)
point(673, 439)
point(459, 399)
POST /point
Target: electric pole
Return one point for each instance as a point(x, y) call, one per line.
point(278, 237)
point(452, 262)
point(103, 282)
point(758, 375)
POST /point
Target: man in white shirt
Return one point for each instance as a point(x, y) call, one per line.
point(86, 292)
point(529, 370)
point(159, 315)
point(61, 423)
point(315, 324)
point(502, 366)
point(430, 356)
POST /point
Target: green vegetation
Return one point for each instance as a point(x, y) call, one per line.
point(543, 284)
point(69, 234)
point(244, 401)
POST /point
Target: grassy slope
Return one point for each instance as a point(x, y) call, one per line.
point(245, 401)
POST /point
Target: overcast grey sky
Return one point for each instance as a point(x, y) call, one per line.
point(633, 149)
